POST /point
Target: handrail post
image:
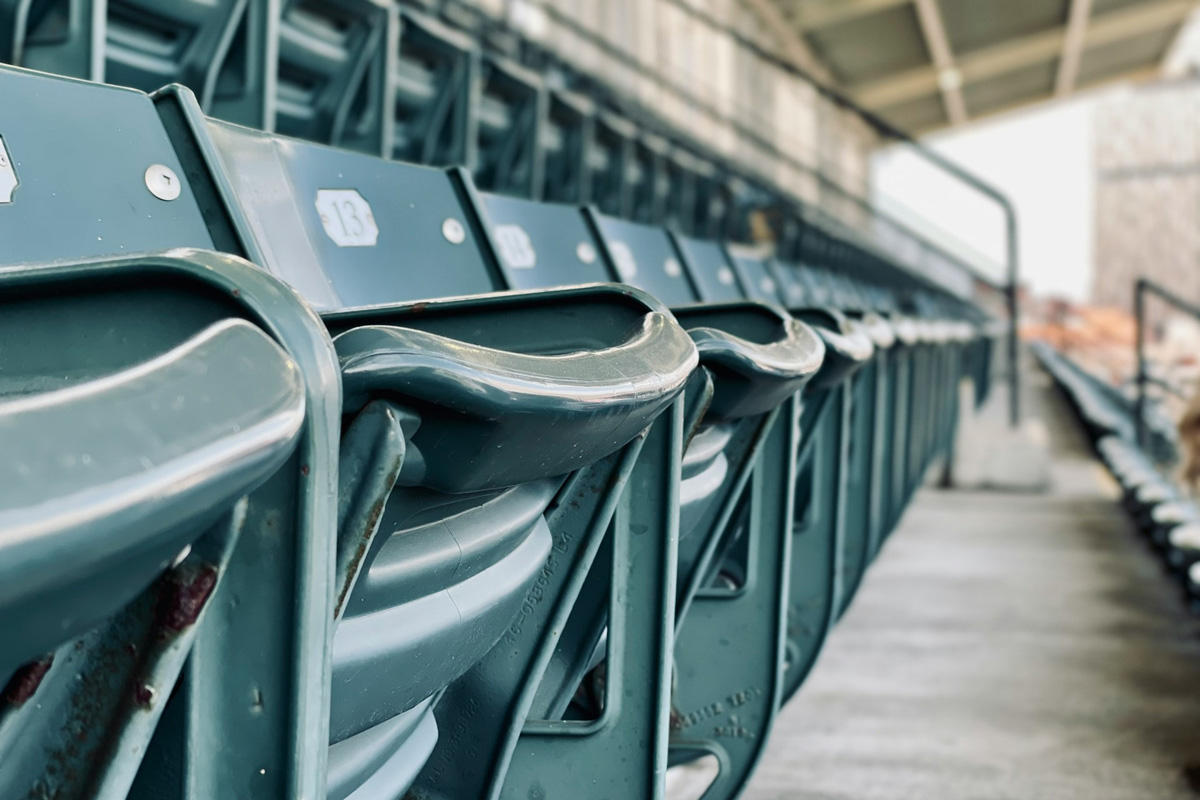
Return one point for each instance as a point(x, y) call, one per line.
point(1142, 287)
point(1139, 316)
point(1014, 345)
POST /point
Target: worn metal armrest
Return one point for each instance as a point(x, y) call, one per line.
point(104, 482)
point(907, 330)
point(881, 332)
point(759, 355)
point(848, 347)
point(495, 417)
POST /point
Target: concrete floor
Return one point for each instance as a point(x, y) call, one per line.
point(1018, 646)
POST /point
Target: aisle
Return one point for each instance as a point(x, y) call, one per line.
point(1003, 646)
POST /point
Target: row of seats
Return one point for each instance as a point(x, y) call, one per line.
point(385, 78)
point(331, 476)
point(1157, 504)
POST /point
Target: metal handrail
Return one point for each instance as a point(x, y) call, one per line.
point(1142, 287)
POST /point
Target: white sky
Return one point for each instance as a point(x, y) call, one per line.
point(1042, 159)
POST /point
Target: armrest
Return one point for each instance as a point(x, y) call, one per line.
point(758, 356)
point(878, 330)
point(498, 417)
point(847, 346)
point(104, 482)
point(907, 332)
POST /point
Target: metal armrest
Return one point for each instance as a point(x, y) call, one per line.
point(493, 418)
point(759, 356)
point(103, 483)
point(881, 333)
point(907, 330)
point(848, 347)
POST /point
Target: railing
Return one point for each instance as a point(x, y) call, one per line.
point(1143, 287)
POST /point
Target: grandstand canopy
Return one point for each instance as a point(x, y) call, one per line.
point(928, 64)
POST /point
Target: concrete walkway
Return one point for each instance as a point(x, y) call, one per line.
point(1022, 646)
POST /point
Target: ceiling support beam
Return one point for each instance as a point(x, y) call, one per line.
point(949, 78)
point(823, 13)
point(1115, 26)
point(1072, 52)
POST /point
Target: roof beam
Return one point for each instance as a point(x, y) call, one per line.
point(1072, 52)
point(811, 14)
point(1136, 76)
point(1038, 48)
point(949, 78)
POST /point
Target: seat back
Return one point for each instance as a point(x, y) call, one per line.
point(709, 265)
point(567, 138)
point(57, 36)
point(151, 44)
point(757, 277)
point(644, 256)
point(649, 178)
point(338, 226)
point(111, 208)
point(541, 245)
point(435, 83)
point(610, 160)
point(512, 115)
point(335, 60)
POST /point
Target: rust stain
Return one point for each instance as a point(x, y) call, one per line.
point(143, 695)
point(360, 552)
point(184, 597)
point(25, 681)
point(304, 470)
point(418, 308)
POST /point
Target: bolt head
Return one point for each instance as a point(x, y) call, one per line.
point(162, 182)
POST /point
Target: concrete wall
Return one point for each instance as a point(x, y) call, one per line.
point(1147, 157)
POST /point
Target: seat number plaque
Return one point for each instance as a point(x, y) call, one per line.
point(8, 175)
point(346, 217)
